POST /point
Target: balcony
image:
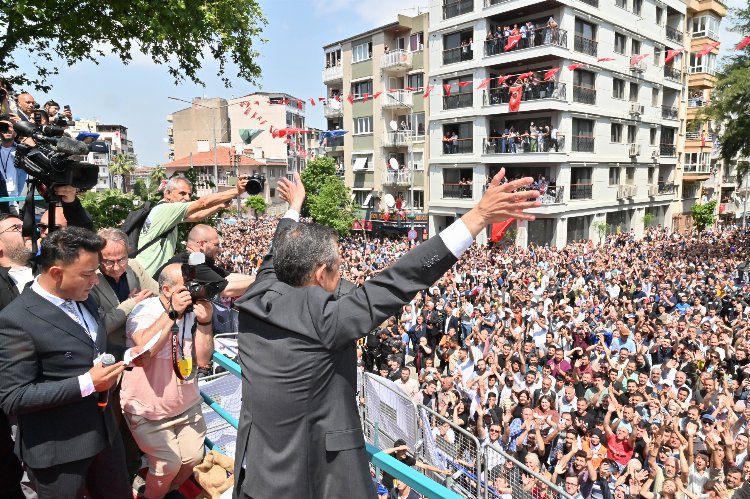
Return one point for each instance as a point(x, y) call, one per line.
point(669, 113)
point(456, 101)
point(397, 99)
point(333, 143)
point(400, 138)
point(729, 179)
point(553, 194)
point(671, 73)
point(583, 143)
point(544, 90)
point(542, 37)
point(584, 45)
point(697, 168)
point(666, 188)
point(580, 191)
point(708, 137)
point(584, 95)
point(457, 191)
point(458, 146)
point(457, 8)
point(522, 144)
point(626, 191)
point(674, 34)
point(667, 150)
point(333, 111)
point(333, 74)
point(398, 178)
point(396, 60)
point(457, 54)
point(696, 102)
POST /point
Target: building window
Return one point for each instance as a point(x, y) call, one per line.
point(416, 42)
point(361, 196)
point(417, 160)
point(417, 124)
point(616, 132)
point(635, 46)
point(651, 172)
point(614, 175)
point(361, 88)
point(620, 41)
point(633, 94)
point(706, 26)
point(632, 134)
point(630, 175)
point(461, 93)
point(583, 135)
point(418, 199)
point(655, 97)
point(652, 136)
point(362, 52)
point(362, 125)
point(415, 81)
point(618, 88)
point(458, 47)
point(580, 183)
point(659, 14)
point(637, 7)
point(705, 64)
point(657, 56)
point(578, 228)
point(585, 38)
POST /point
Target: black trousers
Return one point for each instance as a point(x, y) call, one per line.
point(104, 476)
point(11, 471)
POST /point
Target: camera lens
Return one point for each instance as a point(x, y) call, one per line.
point(255, 184)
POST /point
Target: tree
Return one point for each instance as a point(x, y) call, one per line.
point(108, 208)
point(332, 206)
point(180, 35)
point(156, 175)
point(648, 218)
point(121, 165)
point(258, 204)
point(602, 228)
point(315, 176)
point(703, 215)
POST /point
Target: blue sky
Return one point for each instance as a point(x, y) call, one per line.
point(291, 61)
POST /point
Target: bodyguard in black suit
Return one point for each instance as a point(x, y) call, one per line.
point(300, 433)
point(49, 338)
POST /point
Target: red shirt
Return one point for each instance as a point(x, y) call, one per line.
point(620, 452)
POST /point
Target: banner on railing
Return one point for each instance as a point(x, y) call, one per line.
point(391, 409)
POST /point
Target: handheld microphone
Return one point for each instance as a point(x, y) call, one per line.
point(107, 360)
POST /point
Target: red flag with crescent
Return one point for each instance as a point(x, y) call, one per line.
point(515, 99)
point(744, 43)
point(499, 229)
point(512, 42)
point(707, 48)
point(671, 54)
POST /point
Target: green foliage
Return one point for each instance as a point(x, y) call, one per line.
point(703, 215)
point(332, 205)
point(258, 204)
point(648, 218)
point(121, 165)
point(157, 174)
point(602, 229)
point(108, 208)
point(315, 176)
point(181, 35)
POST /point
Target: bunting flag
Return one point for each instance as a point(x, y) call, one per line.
point(575, 66)
point(708, 47)
point(300, 104)
point(515, 99)
point(350, 98)
point(498, 230)
point(636, 58)
point(605, 59)
point(462, 84)
point(447, 88)
point(512, 42)
point(312, 101)
point(365, 96)
point(484, 83)
point(377, 94)
point(744, 43)
point(703, 139)
point(526, 75)
point(337, 97)
point(671, 54)
point(322, 99)
point(551, 73)
point(410, 89)
point(501, 79)
point(428, 90)
point(257, 103)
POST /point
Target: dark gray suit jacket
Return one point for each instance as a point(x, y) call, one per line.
point(300, 433)
point(42, 353)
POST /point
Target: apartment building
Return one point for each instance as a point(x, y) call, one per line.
point(112, 140)
point(198, 127)
point(592, 76)
point(383, 156)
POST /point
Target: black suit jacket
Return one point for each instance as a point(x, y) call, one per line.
point(300, 433)
point(42, 353)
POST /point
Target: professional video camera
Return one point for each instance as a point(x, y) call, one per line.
point(255, 184)
point(49, 161)
point(199, 290)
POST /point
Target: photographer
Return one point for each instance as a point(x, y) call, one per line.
point(162, 408)
point(14, 178)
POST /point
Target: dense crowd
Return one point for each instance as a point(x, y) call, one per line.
point(612, 370)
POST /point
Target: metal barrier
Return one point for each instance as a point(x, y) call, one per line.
point(389, 414)
point(506, 475)
point(19, 198)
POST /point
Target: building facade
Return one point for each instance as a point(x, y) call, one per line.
point(112, 140)
point(198, 128)
point(383, 155)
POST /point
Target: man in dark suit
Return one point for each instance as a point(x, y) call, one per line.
point(49, 340)
point(300, 434)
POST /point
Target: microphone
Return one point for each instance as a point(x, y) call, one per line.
point(71, 147)
point(107, 360)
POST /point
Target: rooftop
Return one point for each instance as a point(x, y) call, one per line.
point(224, 157)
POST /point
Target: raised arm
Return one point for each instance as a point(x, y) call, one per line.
point(211, 203)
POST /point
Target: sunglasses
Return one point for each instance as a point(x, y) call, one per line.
point(45, 227)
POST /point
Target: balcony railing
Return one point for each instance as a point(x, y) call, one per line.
point(667, 187)
point(709, 137)
point(696, 102)
point(669, 113)
point(667, 150)
point(584, 45)
point(333, 111)
point(332, 142)
point(460, 7)
point(522, 144)
point(674, 34)
point(398, 138)
point(457, 191)
point(397, 99)
point(697, 168)
point(458, 146)
point(672, 73)
point(553, 194)
point(396, 59)
point(706, 32)
point(583, 143)
point(455, 101)
point(543, 90)
point(726, 179)
point(334, 73)
point(401, 177)
point(541, 37)
point(580, 191)
point(457, 54)
point(584, 95)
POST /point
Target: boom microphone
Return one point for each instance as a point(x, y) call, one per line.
point(71, 147)
point(28, 129)
point(24, 128)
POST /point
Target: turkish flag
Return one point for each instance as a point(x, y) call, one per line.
point(703, 139)
point(515, 99)
point(671, 54)
point(512, 42)
point(636, 58)
point(744, 43)
point(312, 101)
point(350, 98)
point(300, 104)
point(484, 83)
point(377, 94)
point(365, 96)
point(575, 66)
point(501, 79)
point(707, 48)
point(604, 59)
point(551, 73)
point(498, 230)
point(428, 90)
point(321, 99)
point(462, 84)
point(447, 88)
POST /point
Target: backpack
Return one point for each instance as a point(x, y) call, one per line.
point(133, 225)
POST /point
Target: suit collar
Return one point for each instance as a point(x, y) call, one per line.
point(51, 313)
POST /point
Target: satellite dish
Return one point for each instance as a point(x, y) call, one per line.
point(393, 125)
point(336, 105)
point(393, 162)
point(389, 201)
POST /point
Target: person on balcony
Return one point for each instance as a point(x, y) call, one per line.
point(550, 33)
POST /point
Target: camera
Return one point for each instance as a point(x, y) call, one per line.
point(199, 290)
point(255, 184)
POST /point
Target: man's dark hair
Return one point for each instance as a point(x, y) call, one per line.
point(51, 103)
point(299, 250)
point(64, 245)
point(6, 216)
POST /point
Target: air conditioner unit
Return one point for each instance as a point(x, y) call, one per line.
point(636, 108)
point(653, 190)
point(635, 149)
point(654, 154)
